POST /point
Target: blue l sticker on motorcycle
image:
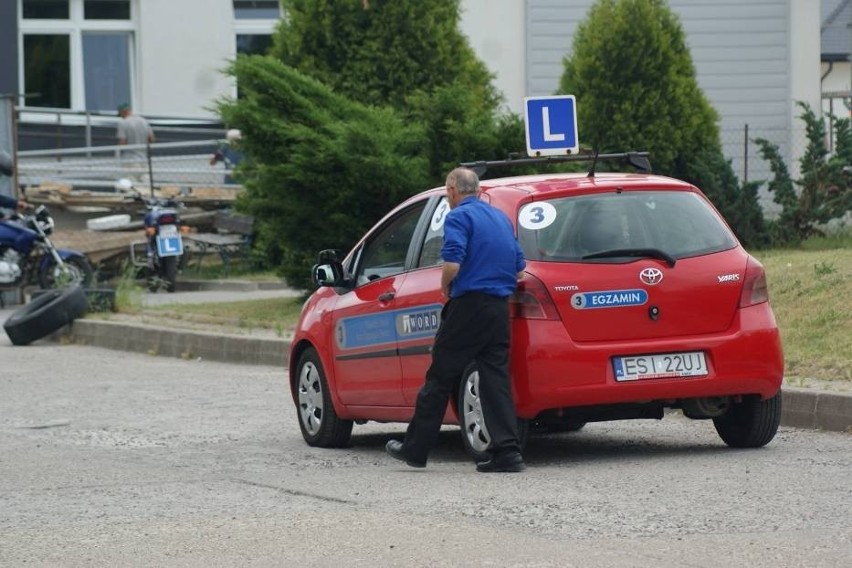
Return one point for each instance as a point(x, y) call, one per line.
point(169, 246)
point(388, 327)
point(608, 299)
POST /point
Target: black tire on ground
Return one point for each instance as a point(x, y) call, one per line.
point(751, 423)
point(79, 272)
point(474, 432)
point(317, 418)
point(46, 314)
point(168, 271)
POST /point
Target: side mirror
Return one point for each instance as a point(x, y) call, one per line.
point(328, 271)
point(7, 168)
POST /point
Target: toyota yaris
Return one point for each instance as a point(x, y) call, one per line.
point(637, 297)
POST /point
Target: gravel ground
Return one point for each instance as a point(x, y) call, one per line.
point(113, 458)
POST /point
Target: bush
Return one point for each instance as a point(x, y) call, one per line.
point(824, 188)
point(321, 168)
point(634, 80)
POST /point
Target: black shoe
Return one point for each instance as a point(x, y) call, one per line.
point(394, 449)
point(504, 463)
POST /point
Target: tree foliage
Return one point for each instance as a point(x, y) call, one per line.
point(322, 169)
point(824, 187)
point(395, 98)
point(381, 52)
point(636, 89)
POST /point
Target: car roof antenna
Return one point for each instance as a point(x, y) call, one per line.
point(591, 173)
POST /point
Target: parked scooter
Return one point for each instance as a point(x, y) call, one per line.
point(164, 243)
point(28, 256)
point(22, 242)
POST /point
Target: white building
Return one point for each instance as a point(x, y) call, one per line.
point(754, 58)
point(835, 72)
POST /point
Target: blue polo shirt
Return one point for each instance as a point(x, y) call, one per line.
point(481, 239)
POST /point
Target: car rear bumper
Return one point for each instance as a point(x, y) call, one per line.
point(551, 371)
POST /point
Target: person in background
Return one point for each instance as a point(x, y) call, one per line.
point(482, 265)
point(133, 130)
point(230, 153)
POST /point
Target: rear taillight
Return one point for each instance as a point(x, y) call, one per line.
point(755, 290)
point(531, 301)
point(167, 219)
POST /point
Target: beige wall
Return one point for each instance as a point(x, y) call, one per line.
point(496, 30)
point(181, 47)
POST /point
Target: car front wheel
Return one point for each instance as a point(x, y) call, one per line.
point(751, 423)
point(318, 420)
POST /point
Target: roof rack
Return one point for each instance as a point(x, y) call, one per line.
point(638, 160)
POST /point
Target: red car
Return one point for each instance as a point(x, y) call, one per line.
point(637, 297)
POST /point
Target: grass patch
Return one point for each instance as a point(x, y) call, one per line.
point(810, 289)
point(128, 294)
point(278, 314)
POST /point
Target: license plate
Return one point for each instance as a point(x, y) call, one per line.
point(169, 246)
point(168, 230)
point(660, 366)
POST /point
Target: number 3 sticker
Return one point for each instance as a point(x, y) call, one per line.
point(535, 216)
point(439, 215)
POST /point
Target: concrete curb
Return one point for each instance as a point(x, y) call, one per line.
point(227, 285)
point(803, 408)
point(182, 343)
point(821, 410)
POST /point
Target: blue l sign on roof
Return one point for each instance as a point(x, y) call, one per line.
point(551, 124)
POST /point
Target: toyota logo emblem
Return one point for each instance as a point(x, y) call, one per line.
point(651, 276)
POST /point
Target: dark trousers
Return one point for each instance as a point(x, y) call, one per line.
point(474, 327)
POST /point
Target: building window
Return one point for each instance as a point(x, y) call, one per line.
point(106, 9)
point(253, 44)
point(47, 64)
point(257, 9)
point(80, 59)
point(106, 69)
point(45, 9)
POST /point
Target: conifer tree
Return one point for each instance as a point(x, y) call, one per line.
point(633, 76)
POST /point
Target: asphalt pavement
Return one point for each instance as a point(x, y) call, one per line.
point(815, 408)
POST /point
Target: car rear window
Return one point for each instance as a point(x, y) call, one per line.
point(680, 224)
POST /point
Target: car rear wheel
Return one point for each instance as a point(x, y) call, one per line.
point(475, 436)
point(318, 420)
point(751, 423)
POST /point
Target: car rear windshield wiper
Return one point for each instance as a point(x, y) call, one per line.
point(637, 252)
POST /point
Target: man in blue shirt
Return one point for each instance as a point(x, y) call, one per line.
point(482, 264)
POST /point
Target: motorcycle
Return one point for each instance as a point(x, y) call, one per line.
point(25, 249)
point(164, 243)
point(27, 254)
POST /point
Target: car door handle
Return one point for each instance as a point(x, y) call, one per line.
point(386, 297)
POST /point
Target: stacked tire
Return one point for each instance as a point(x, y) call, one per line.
point(49, 312)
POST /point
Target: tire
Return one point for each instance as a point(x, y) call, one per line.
point(46, 314)
point(168, 272)
point(751, 423)
point(317, 418)
point(79, 272)
point(474, 432)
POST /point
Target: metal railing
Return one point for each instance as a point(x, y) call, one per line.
point(184, 164)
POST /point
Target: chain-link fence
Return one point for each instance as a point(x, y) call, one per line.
point(748, 163)
point(183, 164)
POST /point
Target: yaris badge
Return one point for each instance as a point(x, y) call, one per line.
point(651, 276)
